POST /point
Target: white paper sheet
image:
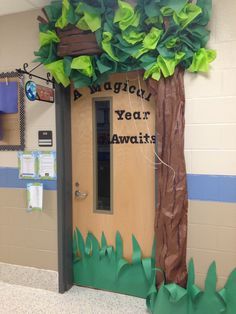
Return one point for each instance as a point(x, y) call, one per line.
point(47, 165)
point(35, 196)
point(27, 165)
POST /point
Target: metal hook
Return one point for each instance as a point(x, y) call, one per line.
point(25, 66)
point(48, 78)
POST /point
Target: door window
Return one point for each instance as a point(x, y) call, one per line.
point(102, 155)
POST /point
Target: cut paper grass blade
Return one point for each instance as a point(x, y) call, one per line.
point(104, 267)
point(171, 298)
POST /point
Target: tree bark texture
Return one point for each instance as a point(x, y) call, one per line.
point(172, 202)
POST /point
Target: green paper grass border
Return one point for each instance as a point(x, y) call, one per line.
point(173, 299)
point(103, 267)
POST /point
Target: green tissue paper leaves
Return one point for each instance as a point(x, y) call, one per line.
point(174, 5)
point(46, 54)
point(201, 60)
point(187, 15)
point(107, 46)
point(164, 66)
point(156, 36)
point(47, 37)
point(152, 38)
point(63, 20)
point(57, 70)
point(126, 15)
point(83, 64)
point(90, 17)
point(133, 36)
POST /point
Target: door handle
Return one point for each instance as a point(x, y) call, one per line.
point(78, 193)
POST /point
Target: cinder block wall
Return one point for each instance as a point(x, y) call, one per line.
point(28, 239)
point(211, 151)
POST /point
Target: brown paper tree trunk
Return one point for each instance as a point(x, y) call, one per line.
point(172, 203)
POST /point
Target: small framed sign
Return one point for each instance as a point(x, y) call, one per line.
point(45, 139)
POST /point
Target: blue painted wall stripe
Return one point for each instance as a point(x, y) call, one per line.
point(9, 179)
point(212, 188)
point(200, 187)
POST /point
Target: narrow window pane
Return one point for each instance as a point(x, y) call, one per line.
point(103, 155)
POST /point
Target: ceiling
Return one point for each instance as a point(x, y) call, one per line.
point(15, 6)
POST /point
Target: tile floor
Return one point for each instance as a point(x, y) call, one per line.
point(23, 300)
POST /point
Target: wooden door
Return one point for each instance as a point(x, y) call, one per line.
point(131, 184)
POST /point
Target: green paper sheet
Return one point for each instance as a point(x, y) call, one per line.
point(104, 267)
point(171, 298)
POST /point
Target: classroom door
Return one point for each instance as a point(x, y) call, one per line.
point(113, 149)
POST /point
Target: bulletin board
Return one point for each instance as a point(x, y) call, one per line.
point(12, 112)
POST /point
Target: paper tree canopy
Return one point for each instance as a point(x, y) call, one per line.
point(153, 35)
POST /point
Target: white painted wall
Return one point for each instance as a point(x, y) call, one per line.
point(19, 39)
point(211, 146)
point(211, 101)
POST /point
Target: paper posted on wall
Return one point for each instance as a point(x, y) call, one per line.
point(47, 165)
point(27, 165)
point(35, 196)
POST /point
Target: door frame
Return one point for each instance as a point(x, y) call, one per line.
point(64, 187)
